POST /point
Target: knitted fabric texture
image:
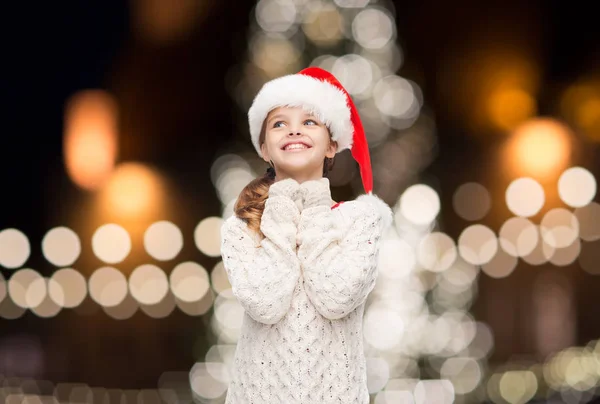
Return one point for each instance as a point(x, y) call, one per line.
point(303, 288)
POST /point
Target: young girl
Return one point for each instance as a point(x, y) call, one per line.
point(300, 265)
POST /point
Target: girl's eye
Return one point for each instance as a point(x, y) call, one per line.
point(278, 124)
point(310, 122)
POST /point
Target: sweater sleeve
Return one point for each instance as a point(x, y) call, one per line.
point(339, 258)
point(263, 274)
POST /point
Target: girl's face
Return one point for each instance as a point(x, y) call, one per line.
point(297, 143)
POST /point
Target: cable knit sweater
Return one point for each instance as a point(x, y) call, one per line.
point(303, 288)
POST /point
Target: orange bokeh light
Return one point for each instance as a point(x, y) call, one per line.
point(510, 107)
point(90, 138)
point(134, 191)
point(540, 148)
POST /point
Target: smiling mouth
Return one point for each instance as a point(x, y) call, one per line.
point(295, 147)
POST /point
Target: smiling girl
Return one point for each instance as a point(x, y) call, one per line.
point(301, 265)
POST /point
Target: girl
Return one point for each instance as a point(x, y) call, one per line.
point(300, 265)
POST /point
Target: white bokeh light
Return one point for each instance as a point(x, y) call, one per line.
point(67, 288)
point(148, 284)
point(518, 236)
point(577, 187)
point(395, 97)
point(464, 373)
point(525, 197)
point(378, 374)
point(14, 248)
point(189, 282)
point(163, 240)
point(107, 286)
point(373, 28)
point(383, 327)
point(420, 204)
point(209, 381)
point(436, 252)
point(276, 15)
point(396, 258)
point(111, 243)
point(207, 236)
point(434, 391)
point(559, 228)
point(27, 288)
point(61, 246)
point(477, 244)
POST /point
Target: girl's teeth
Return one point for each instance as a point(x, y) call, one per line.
point(295, 146)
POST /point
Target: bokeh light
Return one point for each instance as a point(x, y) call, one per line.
point(589, 221)
point(133, 191)
point(61, 246)
point(163, 23)
point(373, 28)
point(189, 282)
point(395, 97)
point(14, 248)
point(90, 138)
point(274, 56)
point(148, 284)
point(539, 148)
point(207, 236)
point(161, 309)
point(111, 243)
point(508, 107)
point(276, 15)
point(107, 286)
point(219, 279)
point(397, 259)
point(383, 327)
point(209, 381)
point(420, 204)
point(471, 201)
point(437, 252)
point(163, 240)
point(559, 228)
point(589, 258)
point(27, 288)
point(500, 266)
point(464, 373)
point(434, 391)
point(323, 24)
point(67, 288)
point(580, 104)
point(577, 187)
point(525, 197)
point(123, 310)
point(518, 236)
point(518, 387)
point(477, 244)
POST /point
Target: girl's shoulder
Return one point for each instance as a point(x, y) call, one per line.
point(366, 205)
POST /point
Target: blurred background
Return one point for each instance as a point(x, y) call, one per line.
point(125, 144)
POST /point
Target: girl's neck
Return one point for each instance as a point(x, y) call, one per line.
point(300, 178)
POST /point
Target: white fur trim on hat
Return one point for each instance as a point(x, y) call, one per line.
point(325, 101)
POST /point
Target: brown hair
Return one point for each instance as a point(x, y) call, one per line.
point(251, 202)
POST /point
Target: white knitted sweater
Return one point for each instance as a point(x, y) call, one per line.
point(303, 288)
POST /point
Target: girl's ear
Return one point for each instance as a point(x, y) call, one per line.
point(331, 150)
point(265, 153)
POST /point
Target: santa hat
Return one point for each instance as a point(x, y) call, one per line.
point(318, 92)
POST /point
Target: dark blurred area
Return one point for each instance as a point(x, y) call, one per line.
point(484, 121)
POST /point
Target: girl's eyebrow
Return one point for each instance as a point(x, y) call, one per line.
point(278, 116)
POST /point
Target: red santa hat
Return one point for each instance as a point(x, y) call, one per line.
point(318, 92)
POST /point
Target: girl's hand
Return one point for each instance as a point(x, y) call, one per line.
point(288, 188)
point(316, 193)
